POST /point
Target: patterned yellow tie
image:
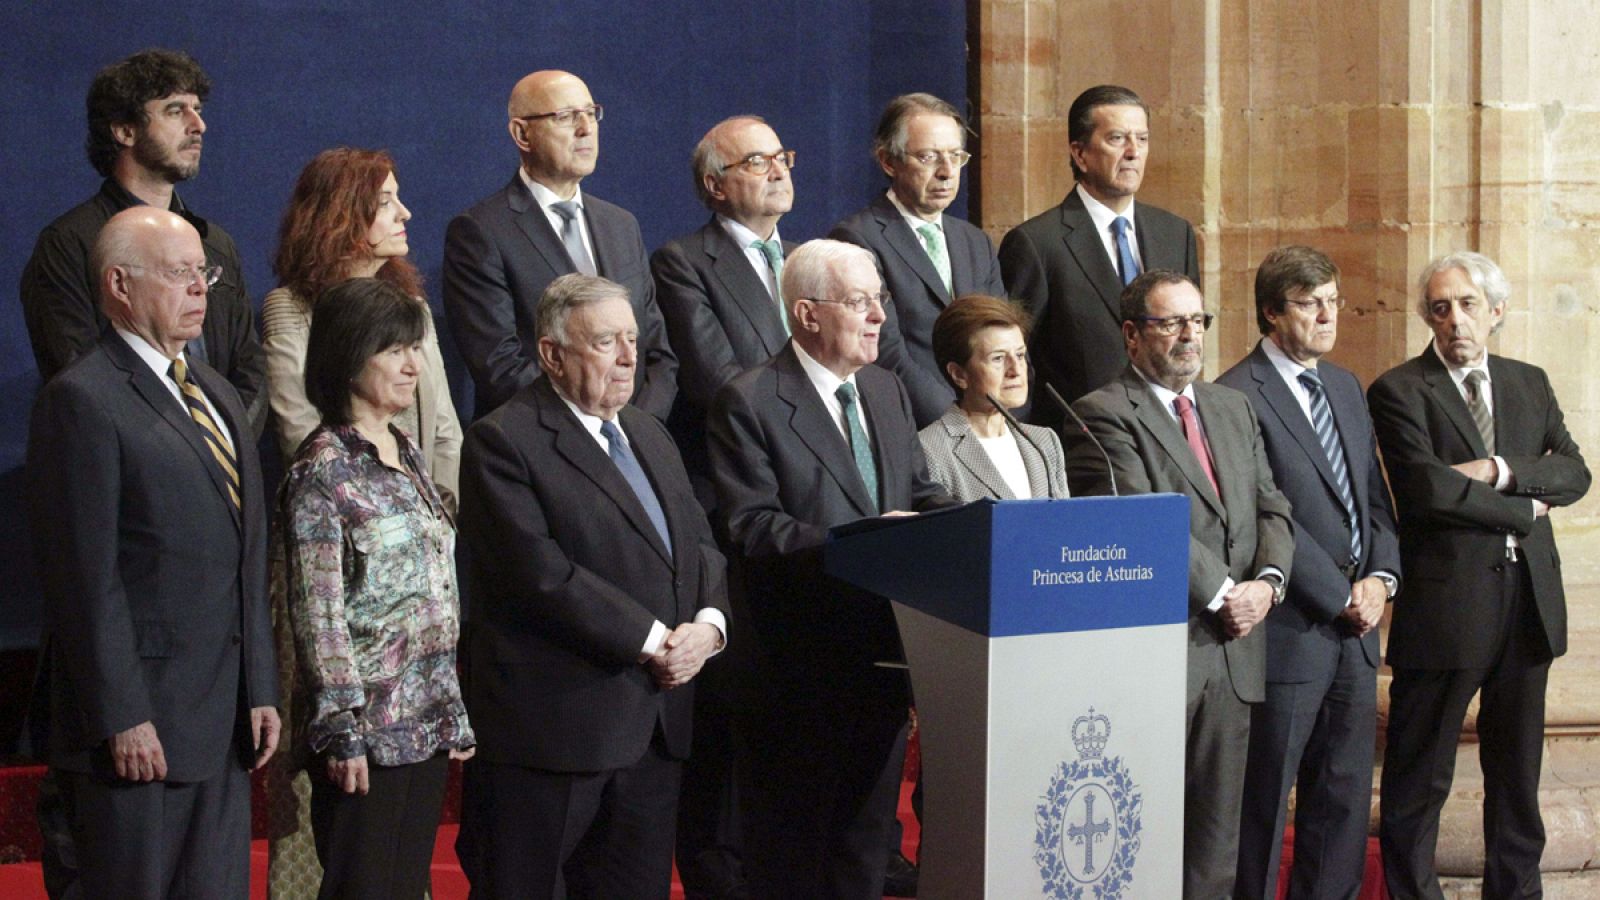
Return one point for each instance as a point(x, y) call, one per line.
point(195, 400)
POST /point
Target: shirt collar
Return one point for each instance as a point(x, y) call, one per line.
point(912, 219)
point(1281, 361)
point(742, 235)
point(543, 195)
point(822, 378)
point(1459, 375)
point(1102, 214)
point(589, 422)
point(158, 362)
point(1166, 394)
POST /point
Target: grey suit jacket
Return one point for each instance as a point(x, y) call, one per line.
point(501, 254)
point(919, 294)
point(1304, 633)
point(566, 575)
point(1057, 266)
point(957, 461)
point(1233, 536)
point(1452, 528)
point(154, 582)
point(784, 476)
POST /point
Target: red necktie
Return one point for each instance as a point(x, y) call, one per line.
point(1197, 443)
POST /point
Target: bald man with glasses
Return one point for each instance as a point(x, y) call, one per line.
point(501, 254)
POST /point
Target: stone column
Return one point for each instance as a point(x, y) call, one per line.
point(1386, 133)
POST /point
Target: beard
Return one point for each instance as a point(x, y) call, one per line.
point(150, 154)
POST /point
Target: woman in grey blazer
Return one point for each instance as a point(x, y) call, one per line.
point(980, 345)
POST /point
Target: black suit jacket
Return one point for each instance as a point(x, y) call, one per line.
point(784, 476)
point(919, 294)
point(500, 255)
point(1303, 634)
point(1232, 536)
point(566, 575)
point(1453, 529)
point(61, 306)
point(1056, 264)
point(154, 582)
point(721, 320)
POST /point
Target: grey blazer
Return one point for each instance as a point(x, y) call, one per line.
point(957, 461)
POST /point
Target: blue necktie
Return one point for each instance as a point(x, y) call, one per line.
point(1328, 437)
point(1130, 268)
point(629, 467)
point(860, 447)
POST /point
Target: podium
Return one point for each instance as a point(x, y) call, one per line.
point(1047, 642)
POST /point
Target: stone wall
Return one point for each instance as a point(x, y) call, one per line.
point(1385, 132)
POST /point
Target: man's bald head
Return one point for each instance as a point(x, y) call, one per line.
point(150, 266)
point(556, 155)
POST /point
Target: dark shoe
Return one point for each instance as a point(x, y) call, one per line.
point(900, 878)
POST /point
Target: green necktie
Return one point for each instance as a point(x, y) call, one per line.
point(860, 447)
point(933, 242)
point(773, 251)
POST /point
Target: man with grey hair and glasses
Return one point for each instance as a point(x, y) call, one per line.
point(927, 258)
point(1478, 454)
point(501, 254)
point(815, 437)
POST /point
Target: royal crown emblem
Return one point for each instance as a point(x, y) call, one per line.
point(1088, 819)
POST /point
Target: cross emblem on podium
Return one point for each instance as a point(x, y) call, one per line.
point(1089, 832)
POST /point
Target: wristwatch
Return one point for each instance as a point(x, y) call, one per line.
point(1279, 589)
point(1390, 585)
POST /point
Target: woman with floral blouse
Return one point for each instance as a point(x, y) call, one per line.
point(368, 549)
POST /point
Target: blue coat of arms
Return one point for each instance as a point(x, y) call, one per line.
point(1088, 820)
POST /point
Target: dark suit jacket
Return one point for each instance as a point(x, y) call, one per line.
point(1303, 634)
point(919, 294)
point(1057, 266)
point(784, 476)
point(1453, 529)
point(566, 575)
point(500, 255)
point(154, 583)
point(721, 320)
point(61, 306)
point(1234, 536)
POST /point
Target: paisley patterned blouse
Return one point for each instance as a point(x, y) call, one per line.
point(369, 570)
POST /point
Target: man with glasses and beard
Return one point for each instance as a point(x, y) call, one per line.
point(1165, 431)
point(145, 136)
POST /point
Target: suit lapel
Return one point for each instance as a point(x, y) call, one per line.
point(1165, 429)
point(1083, 241)
point(608, 242)
point(878, 398)
point(578, 447)
point(741, 282)
point(536, 228)
point(966, 449)
point(905, 242)
point(1283, 403)
point(817, 430)
point(1038, 470)
point(1350, 415)
point(1155, 250)
point(1448, 396)
point(149, 387)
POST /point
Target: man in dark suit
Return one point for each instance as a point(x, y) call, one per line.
point(597, 594)
point(148, 521)
point(813, 438)
point(501, 254)
point(145, 136)
point(718, 289)
point(926, 258)
point(1164, 431)
point(1318, 725)
point(1068, 265)
point(1478, 454)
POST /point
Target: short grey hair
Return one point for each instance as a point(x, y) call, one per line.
point(1485, 274)
point(567, 293)
point(707, 158)
point(811, 272)
point(890, 138)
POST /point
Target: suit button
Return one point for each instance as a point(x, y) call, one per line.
point(237, 639)
point(1498, 567)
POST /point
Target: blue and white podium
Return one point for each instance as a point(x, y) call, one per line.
point(1047, 642)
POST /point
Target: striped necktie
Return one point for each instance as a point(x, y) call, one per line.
point(860, 447)
point(195, 401)
point(1481, 416)
point(1328, 436)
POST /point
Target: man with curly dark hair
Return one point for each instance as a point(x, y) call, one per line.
point(145, 135)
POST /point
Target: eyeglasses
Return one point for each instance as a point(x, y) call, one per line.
point(761, 163)
point(183, 276)
point(1318, 304)
point(954, 158)
point(567, 118)
point(859, 303)
point(1172, 325)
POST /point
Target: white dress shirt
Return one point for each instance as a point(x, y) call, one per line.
point(827, 385)
point(744, 237)
point(547, 198)
point(1103, 216)
point(159, 363)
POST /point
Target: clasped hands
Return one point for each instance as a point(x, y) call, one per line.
point(682, 654)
